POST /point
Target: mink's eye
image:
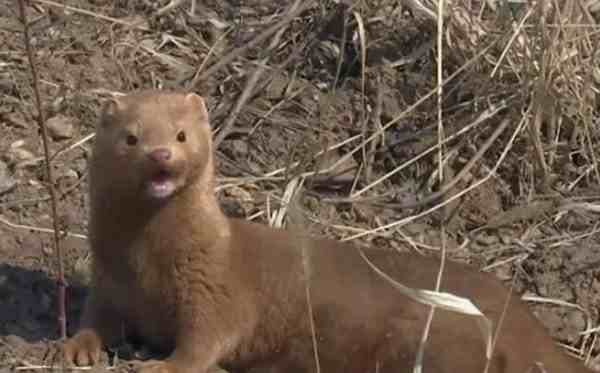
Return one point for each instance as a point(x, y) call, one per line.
point(181, 136)
point(131, 140)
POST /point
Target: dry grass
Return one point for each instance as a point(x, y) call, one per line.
point(341, 102)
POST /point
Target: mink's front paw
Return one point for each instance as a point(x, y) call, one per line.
point(83, 349)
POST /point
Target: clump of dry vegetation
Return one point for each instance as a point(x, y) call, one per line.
point(337, 100)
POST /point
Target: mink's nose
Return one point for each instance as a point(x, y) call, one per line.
point(160, 155)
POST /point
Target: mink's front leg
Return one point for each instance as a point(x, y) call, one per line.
point(101, 325)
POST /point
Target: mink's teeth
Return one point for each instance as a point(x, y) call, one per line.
point(160, 186)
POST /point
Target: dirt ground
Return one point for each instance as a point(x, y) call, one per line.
point(533, 230)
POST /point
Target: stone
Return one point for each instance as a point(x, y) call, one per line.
point(7, 181)
point(60, 127)
point(19, 156)
point(17, 120)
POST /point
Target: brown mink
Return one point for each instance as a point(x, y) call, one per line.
point(168, 266)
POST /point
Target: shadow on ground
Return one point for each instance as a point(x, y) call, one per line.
point(28, 299)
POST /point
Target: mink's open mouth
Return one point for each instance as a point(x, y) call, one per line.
point(161, 185)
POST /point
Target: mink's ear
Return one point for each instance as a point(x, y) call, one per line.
point(195, 102)
point(110, 110)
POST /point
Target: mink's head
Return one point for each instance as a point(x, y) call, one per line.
point(153, 143)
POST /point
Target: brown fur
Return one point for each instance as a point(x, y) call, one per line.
point(223, 291)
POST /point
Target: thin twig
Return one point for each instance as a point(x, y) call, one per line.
point(62, 317)
point(10, 224)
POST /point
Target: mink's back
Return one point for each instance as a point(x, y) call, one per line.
point(354, 307)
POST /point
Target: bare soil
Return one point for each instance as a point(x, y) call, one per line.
point(521, 225)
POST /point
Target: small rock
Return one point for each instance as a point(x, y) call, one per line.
point(17, 144)
point(7, 182)
point(19, 155)
point(81, 164)
point(17, 120)
point(21, 158)
point(47, 250)
point(68, 178)
point(14, 341)
point(60, 127)
point(243, 198)
point(6, 83)
point(70, 174)
point(240, 148)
